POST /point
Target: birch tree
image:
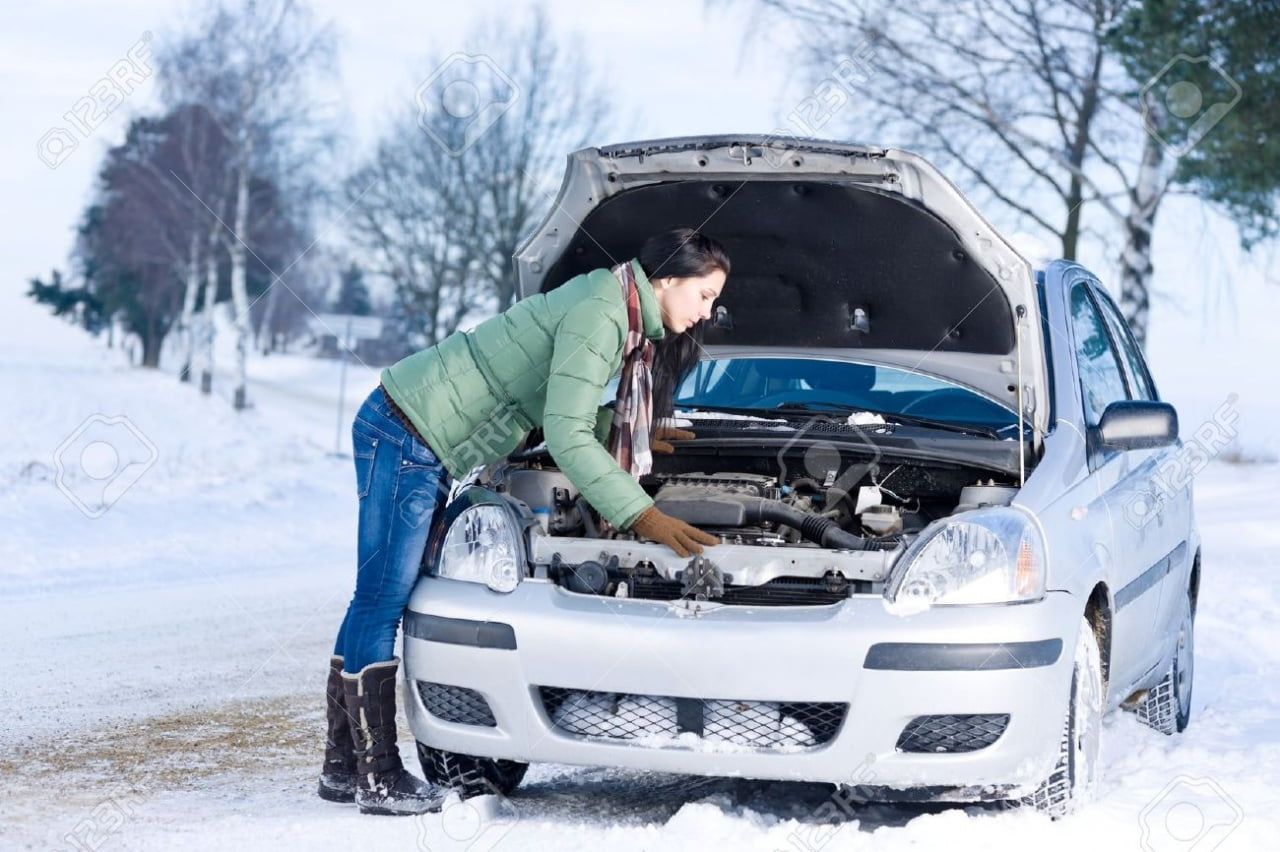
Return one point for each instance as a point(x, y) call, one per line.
point(254, 68)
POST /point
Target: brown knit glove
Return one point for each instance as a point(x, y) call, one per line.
point(685, 540)
point(658, 445)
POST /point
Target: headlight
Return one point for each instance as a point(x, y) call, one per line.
point(482, 546)
point(981, 557)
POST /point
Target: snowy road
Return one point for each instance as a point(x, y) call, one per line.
point(165, 660)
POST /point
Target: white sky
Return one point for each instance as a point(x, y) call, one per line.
point(673, 67)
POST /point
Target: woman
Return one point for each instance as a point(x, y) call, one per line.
point(472, 398)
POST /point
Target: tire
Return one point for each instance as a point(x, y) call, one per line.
point(1074, 776)
point(1167, 707)
point(470, 776)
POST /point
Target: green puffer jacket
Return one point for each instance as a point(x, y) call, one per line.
point(543, 362)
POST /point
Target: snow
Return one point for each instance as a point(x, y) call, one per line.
point(166, 659)
point(725, 415)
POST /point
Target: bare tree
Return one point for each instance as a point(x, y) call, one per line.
point(416, 232)
point(1025, 100)
point(451, 190)
point(130, 249)
point(253, 69)
point(188, 179)
point(558, 109)
point(285, 315)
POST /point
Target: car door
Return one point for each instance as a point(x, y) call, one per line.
point(1121, 482)
point(1166, 510)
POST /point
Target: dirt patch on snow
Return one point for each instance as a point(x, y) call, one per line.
point(108, 769)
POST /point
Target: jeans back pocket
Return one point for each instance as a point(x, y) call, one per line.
point(363, 449)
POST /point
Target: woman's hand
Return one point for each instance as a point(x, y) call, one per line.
point(659, 440)
point(684, 539)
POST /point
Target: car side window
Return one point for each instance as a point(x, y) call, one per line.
point(1101, 378)
point(1139, 377)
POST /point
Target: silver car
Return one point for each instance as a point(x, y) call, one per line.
point(953, 530)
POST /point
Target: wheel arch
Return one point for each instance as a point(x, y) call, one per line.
point(1193, 584)
point(1098, 612)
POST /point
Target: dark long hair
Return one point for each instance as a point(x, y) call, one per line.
point(678, 253)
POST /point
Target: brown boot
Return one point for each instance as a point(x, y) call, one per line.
point(382, 784)
point(338, 775)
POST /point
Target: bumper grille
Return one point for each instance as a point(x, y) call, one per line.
point(456, 704)
point(952, 734)
point(780, 591)
point(656, 720)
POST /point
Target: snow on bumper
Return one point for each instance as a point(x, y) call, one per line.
point(884, 670)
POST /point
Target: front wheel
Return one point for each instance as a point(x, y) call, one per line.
point(1074, 775)
point(470, 775)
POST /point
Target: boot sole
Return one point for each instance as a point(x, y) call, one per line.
point(329, 794)
point(380, 810)
point(374, 811)
point(385, 812)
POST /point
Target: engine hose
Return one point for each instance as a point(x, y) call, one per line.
point(815, 528)
point(585, 513)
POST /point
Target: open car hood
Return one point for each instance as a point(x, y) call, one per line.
point(854, 251)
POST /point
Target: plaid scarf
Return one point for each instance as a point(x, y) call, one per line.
point(633, 412)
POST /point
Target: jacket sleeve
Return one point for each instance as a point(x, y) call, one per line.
point(588, 342)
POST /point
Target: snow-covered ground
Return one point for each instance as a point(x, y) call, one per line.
point(166, 659)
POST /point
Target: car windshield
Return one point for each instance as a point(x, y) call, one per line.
point(771, 383)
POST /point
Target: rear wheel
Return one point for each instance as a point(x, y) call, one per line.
point(1167, 707)
point(1074, 775)
point(469, 775)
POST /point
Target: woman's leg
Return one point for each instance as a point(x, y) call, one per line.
point(402, 487)
point(406, 488)
point(363, 449)
point(337, 775)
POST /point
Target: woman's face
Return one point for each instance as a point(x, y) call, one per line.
point(684, 301)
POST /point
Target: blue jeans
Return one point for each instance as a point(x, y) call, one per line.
point(402, 487)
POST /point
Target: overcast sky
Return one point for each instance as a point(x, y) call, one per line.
point(672, 67)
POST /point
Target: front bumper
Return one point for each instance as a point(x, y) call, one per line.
point(1013, 660)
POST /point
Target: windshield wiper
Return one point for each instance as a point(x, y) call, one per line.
point(906, 419)
point(810, 407)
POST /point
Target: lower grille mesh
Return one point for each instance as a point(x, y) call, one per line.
point(456, 704)
point(952, 734)
point(656, 720)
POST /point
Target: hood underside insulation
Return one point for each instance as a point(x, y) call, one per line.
point(815, 263)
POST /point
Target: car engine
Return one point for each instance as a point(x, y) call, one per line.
point(741, 507)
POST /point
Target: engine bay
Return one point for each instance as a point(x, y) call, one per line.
point(837, 502)
point(796, 524)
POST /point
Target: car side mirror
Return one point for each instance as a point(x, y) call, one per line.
point(1138, 424)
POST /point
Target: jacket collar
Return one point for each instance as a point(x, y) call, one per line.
point(650, 313)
